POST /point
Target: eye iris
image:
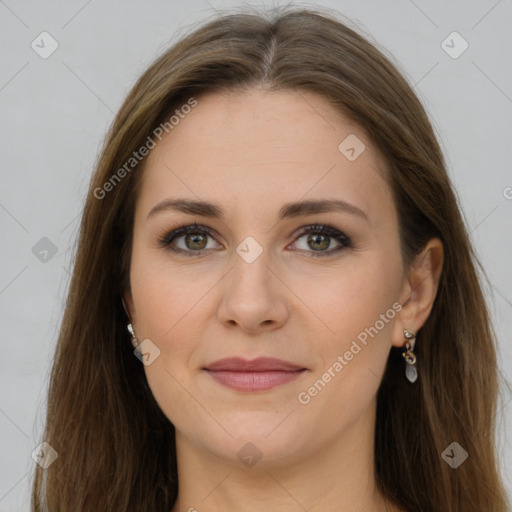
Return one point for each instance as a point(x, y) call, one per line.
point(321, 240)
point(196, 238)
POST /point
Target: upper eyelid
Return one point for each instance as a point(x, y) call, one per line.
point(183, 230)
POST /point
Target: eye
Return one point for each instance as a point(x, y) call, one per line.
point(191, 239)
point(320, 239)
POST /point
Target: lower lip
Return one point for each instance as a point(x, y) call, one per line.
point(254, 381)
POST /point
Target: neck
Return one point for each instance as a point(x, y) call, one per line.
point(338, 474)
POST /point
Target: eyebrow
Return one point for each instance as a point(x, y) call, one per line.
point(289, 210)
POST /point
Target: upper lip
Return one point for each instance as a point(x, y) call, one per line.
point(261, 364)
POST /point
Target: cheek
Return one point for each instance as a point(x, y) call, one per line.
point(358, 310)
point(353, 298)
point(160, 302)
point(165, 293)
point(170, 312)
point(168, 306)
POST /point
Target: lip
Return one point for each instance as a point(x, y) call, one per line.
point(258, 374)
point(261, 364)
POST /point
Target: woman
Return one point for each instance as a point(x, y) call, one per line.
point(272, 227)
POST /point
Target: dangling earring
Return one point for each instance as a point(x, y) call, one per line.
point(135, 341)
point(410, 357)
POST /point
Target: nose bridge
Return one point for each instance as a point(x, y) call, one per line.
point(251, 272)
point(253, 296)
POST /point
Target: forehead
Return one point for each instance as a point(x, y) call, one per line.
point(251, 148)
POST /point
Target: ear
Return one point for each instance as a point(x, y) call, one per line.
point(419, 290)
point(129, 308)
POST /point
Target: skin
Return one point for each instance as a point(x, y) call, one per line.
point(251, 152)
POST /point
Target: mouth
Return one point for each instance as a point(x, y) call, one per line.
point(257, 375)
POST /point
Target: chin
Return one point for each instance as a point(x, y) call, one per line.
point(259, 440)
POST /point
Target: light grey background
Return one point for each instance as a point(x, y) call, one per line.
point(55, 112)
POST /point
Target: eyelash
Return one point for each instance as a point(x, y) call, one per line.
point(322, 229)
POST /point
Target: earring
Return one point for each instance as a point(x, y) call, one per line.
point(410, 357)
point(135, 341)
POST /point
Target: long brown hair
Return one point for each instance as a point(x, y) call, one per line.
point(116, 449)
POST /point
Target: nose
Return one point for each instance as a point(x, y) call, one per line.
point(253, 297)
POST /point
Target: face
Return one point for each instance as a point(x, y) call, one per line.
point(260, 276)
